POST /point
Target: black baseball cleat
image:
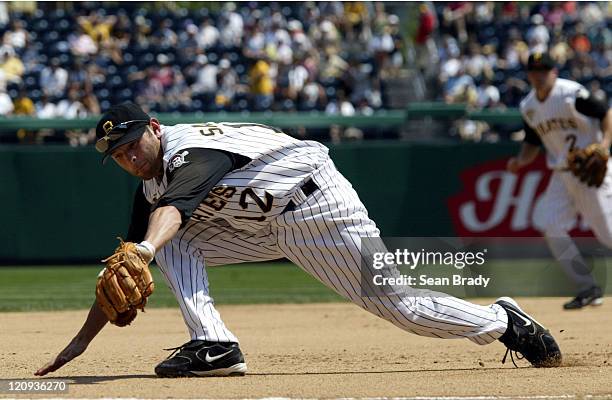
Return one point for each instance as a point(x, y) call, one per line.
point(589, 297)
point(528, 337)
point(202, 358)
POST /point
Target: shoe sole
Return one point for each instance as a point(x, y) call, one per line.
point(235, 370)
point(595, 303)
point(239, 369)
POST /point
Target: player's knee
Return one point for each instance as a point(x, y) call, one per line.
point(550, 229)
point(541, 223)
point(549, 226)
point(605, 237)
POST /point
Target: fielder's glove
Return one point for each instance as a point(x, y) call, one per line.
point(590, 164)
point(126, 282)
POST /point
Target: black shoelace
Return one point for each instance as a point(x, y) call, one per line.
point(518, 355)
point(175, 350)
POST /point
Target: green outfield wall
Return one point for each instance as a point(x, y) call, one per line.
point(406, 186)
point(61, 205)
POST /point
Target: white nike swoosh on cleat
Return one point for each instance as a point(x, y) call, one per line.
point(527, 322)
point(514, 303)
point(210, 359)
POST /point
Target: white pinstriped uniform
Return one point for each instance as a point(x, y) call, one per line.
point(321, 234)
point(560, 126)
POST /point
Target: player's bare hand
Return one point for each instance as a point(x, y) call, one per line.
point(73, 350)
point(513, 165)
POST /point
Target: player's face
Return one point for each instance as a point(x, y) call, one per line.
point(542, 80)
point(142, 157)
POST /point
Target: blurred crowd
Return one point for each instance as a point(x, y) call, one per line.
point(475, 53)
point(329, 56)
point(75, 59)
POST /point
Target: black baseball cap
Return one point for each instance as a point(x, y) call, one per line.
point(540, 62)
point(121, 124)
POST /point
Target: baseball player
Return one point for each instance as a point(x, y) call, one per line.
point(225, 193)
point(565, 118)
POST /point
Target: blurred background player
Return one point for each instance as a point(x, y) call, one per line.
point(561, 115)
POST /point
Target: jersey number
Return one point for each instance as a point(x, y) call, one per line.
point(217, 200)
point(264, 205)
point(572, 139)
point(209, 129)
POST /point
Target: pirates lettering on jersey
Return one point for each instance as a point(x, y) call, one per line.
point(555, 124)
point(220, 196)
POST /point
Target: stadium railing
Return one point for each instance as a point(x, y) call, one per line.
point(385, 118)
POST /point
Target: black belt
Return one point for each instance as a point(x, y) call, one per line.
point(308, 188)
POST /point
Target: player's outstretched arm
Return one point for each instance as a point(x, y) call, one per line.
point(93, 325)
point(526, 156)
point(164, 223)
point(606, 128)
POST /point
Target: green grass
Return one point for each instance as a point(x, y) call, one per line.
point(72, 287)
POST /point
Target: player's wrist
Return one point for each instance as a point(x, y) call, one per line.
point(601, 148)
point(147, 250)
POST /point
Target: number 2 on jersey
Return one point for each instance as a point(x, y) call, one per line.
point(265, 206)
point(572, 139)
point(218, 197)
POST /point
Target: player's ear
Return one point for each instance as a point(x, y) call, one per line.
point(156, 126)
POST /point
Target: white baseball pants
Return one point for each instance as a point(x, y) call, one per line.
point(322, 235)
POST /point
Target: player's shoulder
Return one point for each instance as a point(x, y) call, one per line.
point(567, 84)
point(566, 87)
point(174, 132)
point(175, 137)
point(527, 101)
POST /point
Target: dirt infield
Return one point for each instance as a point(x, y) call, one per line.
point(315, 350)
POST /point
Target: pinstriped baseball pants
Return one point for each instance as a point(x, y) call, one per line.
point(322, 235)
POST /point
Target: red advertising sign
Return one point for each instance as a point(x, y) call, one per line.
point(496, 203)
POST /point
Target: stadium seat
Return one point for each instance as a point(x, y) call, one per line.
point(35, 95)
point(63, 27)
point(104, 105)
point(30, 83)
point(102, 94)
point(196, 105)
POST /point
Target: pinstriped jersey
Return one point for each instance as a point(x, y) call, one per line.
point(557, 123)
point(248, 197)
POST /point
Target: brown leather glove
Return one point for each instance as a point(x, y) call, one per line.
point(590, 164)
point(124, 285)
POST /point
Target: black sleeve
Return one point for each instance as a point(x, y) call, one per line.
point(531, 136)
point(141, 209)
point(591, 106)
point(192, 173)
